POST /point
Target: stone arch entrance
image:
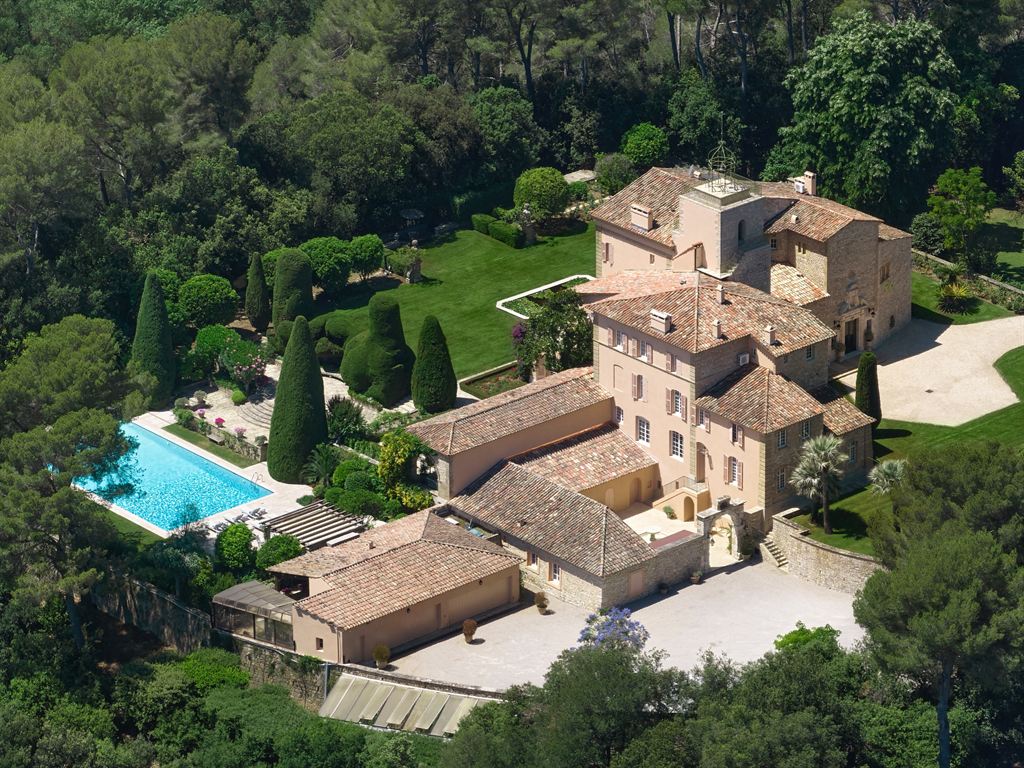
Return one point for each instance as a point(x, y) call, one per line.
point(724, 526)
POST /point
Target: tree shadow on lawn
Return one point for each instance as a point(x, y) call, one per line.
point(357, 295)
point(1003, 236)
point(887, 434)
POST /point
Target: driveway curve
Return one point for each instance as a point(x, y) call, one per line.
point(943, 374)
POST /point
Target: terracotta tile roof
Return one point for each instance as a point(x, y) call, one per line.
point(886, 232)
point(658, 189)
point(543, 514)
point(378, 581)
point(790, 284)
point(630, 283)
point(695, 307)
point(587, 459)
point(841, 416)
point(487, 420)
point(817, 217)
point(759, 400)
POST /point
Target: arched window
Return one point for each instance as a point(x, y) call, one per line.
point(741, 230)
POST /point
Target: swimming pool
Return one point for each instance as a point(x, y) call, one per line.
point(168, 485)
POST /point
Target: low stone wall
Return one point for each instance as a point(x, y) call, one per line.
point(154, 611)
point(303, 676)
point(819, 563)
point(229, 440)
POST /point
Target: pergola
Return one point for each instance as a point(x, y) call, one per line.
point(317, 525)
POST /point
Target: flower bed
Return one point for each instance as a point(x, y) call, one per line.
point(523, 305)
point(232, 438)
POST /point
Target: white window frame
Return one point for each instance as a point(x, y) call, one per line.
point(734, 471)
point(805, 429)
point(643, 430)
point(554, 573)
point(676, 445)
point(783, 439)
point(704, 419)
point(645, 351)
point(677, 403)
point(620, 340)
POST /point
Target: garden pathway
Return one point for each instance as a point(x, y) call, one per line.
point(942, 374)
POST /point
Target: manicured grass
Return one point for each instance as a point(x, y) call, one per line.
point(129, 531)
point(849, 517)
point(1006, 228)
point(904, 439)
point(464, 276)
point(924, 295)
point(202, 441)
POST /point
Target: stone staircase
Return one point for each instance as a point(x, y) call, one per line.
point(771, 552)
point(257, 413)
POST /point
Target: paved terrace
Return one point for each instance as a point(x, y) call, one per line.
point(943, 374)
point(737, 612)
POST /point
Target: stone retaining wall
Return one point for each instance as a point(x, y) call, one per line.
point(818, 563)
point(154, 611)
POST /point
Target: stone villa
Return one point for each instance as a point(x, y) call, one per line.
point(718, 307)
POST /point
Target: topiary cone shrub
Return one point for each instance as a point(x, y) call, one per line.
point(152, 351)
point(867, 397)
point(257, 295)
point(434, 385)
point(469, 629)
point(293, 286)
point(299, 421)
point(378, 362)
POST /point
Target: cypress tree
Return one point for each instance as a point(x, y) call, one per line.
point(293, 286)
point(867, 398)
point(378, 362)
point(257, 295)
point(152, 351)
point(433, 376)
point(299, 421)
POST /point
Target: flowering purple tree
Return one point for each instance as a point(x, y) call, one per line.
point(614, 627)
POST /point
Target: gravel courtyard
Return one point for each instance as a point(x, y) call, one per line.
point(737, 612)
point(943, 374)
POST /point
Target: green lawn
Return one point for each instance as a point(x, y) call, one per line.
point(464, 276)
point(926, 305)
point(903, 439)
point(1006, 228)
point(202, 441)
point(129, 531)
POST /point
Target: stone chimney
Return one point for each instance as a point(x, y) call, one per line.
point(769, 333)
point(641, 216)
point(717, 325)
point(661, 321)
point(721, 293)
point(811, 183)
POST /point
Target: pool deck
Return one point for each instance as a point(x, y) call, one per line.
point(283, 497)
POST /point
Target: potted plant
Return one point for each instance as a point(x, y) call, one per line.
point(541, 601)
point(696, 577)
point(469, 629)
point(219, 422)
point(382, 656)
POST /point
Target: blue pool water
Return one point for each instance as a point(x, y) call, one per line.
point(168, 485)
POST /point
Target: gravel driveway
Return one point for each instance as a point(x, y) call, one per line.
point(943, 374)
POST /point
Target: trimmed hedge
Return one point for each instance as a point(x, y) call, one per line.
point(299, 422)
point(378, 362)
point(293, 286)
point(207, 300)
point(465, 204)
point(482, 222)
point(337, 328)
point(330, 261)
point(152, 351)
point(211, 341)
point(327, 351)
point(399, 261)
point(282, 332)
point(509, 234)
point(434, 385)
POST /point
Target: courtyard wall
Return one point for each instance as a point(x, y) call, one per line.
point(820, 563)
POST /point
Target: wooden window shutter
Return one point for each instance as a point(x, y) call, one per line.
point(611, 338)
point(643, 388)
point(668, 400)
point(725, 469)
point(668, 361)
point(707, 421)
point(632, 379)
point(682, 408)
point(607, 250)
point(634, 347)
point(739, 475)
point(739, 435)
point(673, 359)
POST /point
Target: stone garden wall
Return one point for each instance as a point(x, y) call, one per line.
point(154, 611)
point(819, 563)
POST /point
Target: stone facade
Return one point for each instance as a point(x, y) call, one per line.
point(820, 563)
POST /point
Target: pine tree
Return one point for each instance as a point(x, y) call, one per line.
point(867, 398)
point(257, 295)
point(299, 422)
point(433, 376)
point(293, 286)
point(152, 351)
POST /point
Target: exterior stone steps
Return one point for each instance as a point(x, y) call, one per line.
point(258, 413)
point(771, 547)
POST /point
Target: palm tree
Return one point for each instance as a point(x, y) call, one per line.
point(320, 465)
point(887, 476)
point(817, 474)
